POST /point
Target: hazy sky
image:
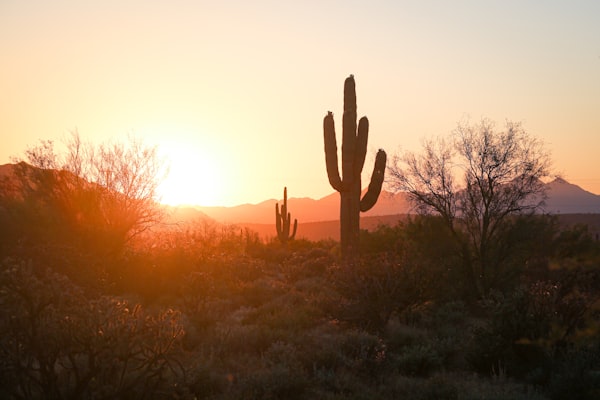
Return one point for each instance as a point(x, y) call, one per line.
point(235, 91)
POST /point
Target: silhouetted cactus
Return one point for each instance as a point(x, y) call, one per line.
point(282, 221)
point(354, 150)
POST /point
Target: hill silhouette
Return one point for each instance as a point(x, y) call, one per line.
point(563, 198)
point(567, 198)
point(319, 218)
point(305, 209)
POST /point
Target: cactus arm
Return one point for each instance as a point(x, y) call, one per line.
point(278, 221)
point(295, 228)
point(331, 159)
point(370, 198)
point(361, 145)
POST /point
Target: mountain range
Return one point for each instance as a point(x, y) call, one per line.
point(319, 219)
point(563, 198)
point(304, 209)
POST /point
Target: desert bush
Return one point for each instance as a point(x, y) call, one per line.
point(437, 387)
point(383, 239)
point(59, 343)
point(515, 319)
point(443, 263)
point(448, 315)
point(319, 351)
point(523, 248)
point(231, 281)
point(439, 341)
point(308, 263)
point(202, 304)
point(288, 312)
point(398, 335)
point(574, 242)
point(274, 382)
point(331, 354)
point(417, 360)
point(576, 373)
point(98, 196)
point(363, 351)
point(203, 380)
point(498, 387)
point(274, 373)
point(232, 340)
point(532, 325)
point(372, 289)
point(457, 386)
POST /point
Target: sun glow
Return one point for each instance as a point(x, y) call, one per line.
point(193, 178)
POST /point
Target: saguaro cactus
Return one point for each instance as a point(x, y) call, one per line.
point(282, 221)
point(354, 150)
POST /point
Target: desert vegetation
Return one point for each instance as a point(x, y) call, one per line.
point(94, 306)
point(213, 312)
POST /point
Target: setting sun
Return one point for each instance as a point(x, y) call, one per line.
point(192, 179)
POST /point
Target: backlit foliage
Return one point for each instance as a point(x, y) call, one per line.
point(208, 311)
point(476, 180)
point(98, 195)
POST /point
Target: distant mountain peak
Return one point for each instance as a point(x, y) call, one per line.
point(567, 198)
point(559, 180)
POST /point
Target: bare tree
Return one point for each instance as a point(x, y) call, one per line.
point(475, 180)
point(105, 193)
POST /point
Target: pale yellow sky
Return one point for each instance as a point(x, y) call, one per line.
point(235, 91)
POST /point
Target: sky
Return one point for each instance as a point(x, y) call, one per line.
point(234, 93)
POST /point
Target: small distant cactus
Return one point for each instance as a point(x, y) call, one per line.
point(282, 221)
point(354, 149)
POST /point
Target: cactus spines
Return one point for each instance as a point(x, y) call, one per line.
point(348, 184)
point(282, 221)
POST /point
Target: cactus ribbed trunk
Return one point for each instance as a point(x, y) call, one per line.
point(354, 150)
point(350, 219)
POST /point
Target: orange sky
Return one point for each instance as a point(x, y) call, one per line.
point(235, 91)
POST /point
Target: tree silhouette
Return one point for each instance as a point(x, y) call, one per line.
point(102, 195)
point(476, 181)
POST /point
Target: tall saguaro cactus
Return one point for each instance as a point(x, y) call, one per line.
point(282, 221)
point(348, 184)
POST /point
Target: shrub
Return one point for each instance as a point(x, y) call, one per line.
point(373, 289)
point(330, 353)
point(535, 323)
point(363, 351)
point(497, 388)
point(58, 343)
point(278, 375)
point(398, 336)
point(437, 387)
point(576, 374)
point(308, 264)
point(509, 339)
point(202, 381)
point(418, 360)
